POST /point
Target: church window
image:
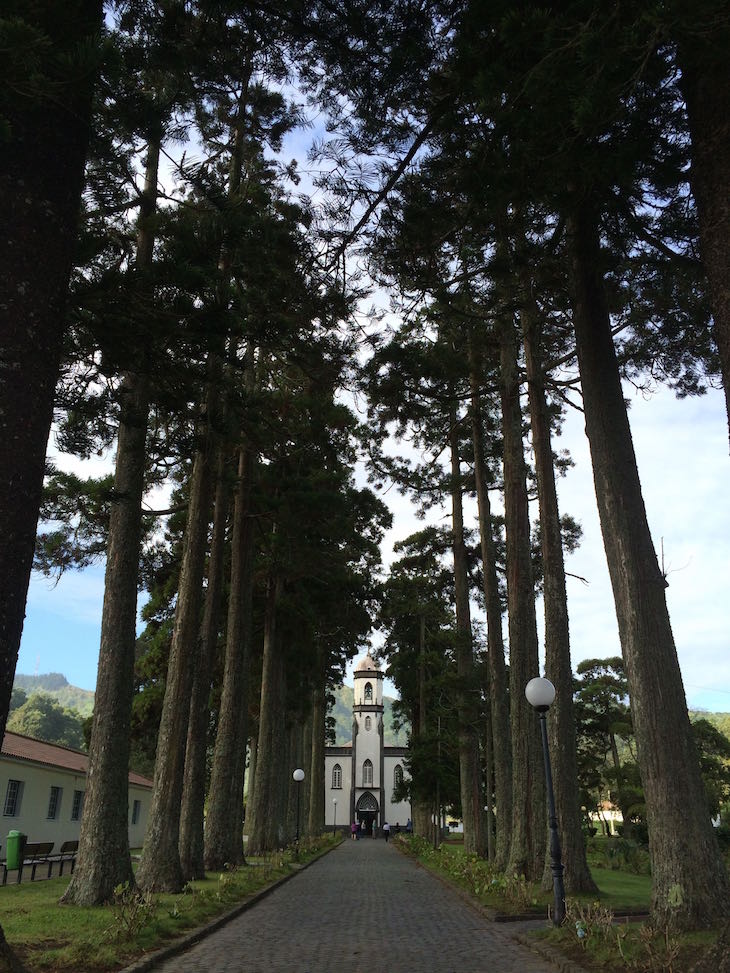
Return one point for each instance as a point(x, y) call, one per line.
point(367, 774)
point(368, 722)
point(368, 692)
point(336, 778)
point(397, 775)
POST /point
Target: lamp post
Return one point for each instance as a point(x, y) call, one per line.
point(540, 694)
point(298, 777)
point(334, 801)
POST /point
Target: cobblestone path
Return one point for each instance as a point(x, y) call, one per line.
point(363, 908)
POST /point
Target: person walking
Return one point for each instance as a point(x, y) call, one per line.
point(386, 831)
point(353, 830)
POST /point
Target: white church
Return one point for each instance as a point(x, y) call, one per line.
point(361, 776)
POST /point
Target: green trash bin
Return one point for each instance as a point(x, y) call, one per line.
point(16, 849)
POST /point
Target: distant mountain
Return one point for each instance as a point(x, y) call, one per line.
point(82, 700)
point(719, 720)
point(342, 714)
point(56, 685)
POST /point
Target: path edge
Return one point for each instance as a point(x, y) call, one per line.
point(150, 960)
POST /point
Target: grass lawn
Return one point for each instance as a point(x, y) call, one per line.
point(622, 890)
point(74, 939)
point(619, 890)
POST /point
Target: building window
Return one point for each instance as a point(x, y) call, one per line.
point(13, 796)
point(136, 811)
point(368, 692)
point(397, 775)
point(78, 805)
point(368, 722)
point(367, 774)
point(54, 803)
point(336, 778)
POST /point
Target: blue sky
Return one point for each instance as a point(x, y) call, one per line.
point(683, 459)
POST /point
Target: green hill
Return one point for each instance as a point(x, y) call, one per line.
point(341, 712)
point(56, 685)
point(719, 720)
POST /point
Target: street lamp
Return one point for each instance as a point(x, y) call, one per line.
point(540, 693)
point(298, 777)
point(334, 801)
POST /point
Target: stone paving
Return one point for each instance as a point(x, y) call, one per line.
point(363, 908)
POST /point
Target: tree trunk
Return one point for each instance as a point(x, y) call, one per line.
point(498, 693)
point(307, 767)
point(104, 861)
point(489, 778)
point(295, 824)
point(222, 844)
point(621, 798)
point(705, 83)
point(470, 776)
point(690, 885)
point(271, 784)
point(160, 869)
point(561, 717)
point(192, 857)
point(419, 806)
point(529, 807)
point(315, 824)
point(192, 841)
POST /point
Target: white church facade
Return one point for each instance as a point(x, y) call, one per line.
point(361, 777)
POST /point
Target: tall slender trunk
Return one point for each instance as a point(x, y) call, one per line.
point(192, 840)
point(223, 844)
point(561, 717)
point(420, 807)
point(161, 869)
point(489, 776)
point(470, 776)
point(705, 83)
point(271, 784)
point(690, 884)
point(621, 799)
point(104, 861)
point(529, 810)
point(315, 824)
point(192, 857)
point(308, 740)
point(498, 692)
point(296, 825)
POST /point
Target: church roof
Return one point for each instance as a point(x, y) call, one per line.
point(366, 664)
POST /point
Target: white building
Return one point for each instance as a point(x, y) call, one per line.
point(42, 787)
point(361, 776)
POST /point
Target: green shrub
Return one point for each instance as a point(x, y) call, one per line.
point(618, 854)
point(131, 911)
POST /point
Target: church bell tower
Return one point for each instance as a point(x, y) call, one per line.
point(367, 792)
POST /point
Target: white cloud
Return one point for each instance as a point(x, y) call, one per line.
point(78, 595)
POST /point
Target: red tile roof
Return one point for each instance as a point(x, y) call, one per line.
point(52, 755)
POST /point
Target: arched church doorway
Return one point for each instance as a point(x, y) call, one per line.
point(367, 812)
